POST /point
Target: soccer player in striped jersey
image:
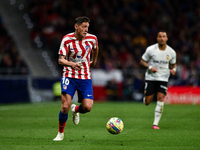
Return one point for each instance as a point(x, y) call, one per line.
point(160, 61)
point(74, 56)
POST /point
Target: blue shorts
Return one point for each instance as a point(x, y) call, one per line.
point(83, 87)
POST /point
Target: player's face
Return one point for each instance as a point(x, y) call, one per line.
point(82, 29)
point(162, 38)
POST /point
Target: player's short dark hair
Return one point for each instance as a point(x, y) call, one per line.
point(162, 30)
point(80, 20)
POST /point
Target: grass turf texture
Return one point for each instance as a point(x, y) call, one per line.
point(33, 127)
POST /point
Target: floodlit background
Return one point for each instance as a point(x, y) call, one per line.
point(31, 32)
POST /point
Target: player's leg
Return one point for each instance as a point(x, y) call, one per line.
point(75, 114)
point(63, 115)
point(65, 107)
point(149, 90)
point(68, 90)
point(85, 96)
point(148, 99)
point(86, 106)
point(160, 104)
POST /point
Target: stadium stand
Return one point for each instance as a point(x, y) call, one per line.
point(124, 29)
point(11, 62)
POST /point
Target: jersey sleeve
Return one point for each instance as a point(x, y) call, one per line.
point(95, 42)
point(146, 55)
point(63, 48)
point(173, 60)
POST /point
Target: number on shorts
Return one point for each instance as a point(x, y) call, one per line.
point(65, 81)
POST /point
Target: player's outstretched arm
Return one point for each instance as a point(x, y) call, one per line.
point(95, 52)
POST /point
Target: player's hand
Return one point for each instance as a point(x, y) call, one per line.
point(92, 64)
point(76, 66)
point(173, 72)
point(154, 69)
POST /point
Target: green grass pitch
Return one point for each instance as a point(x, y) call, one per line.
point(33, 127)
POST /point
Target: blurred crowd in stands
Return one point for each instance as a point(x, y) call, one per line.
point(124, 29)
point(11, 62)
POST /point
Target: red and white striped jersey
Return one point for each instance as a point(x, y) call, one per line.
point(77, 51)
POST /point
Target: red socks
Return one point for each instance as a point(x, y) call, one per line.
point(76, 109)
point(61, 127)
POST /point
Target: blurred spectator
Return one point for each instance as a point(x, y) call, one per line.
point(128, 87)
point(6, 61)
point(111, 90)
point(193, 76)
point(10, 60)
point(124, 28)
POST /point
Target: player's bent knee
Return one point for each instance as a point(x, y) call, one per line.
point(148, 99)
point(88, 107)
point(161, 99)
point(147, 103)
point(65, 108)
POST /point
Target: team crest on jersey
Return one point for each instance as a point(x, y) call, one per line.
point(87, 48)
point(167, 57)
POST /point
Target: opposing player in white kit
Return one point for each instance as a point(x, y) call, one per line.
point(74, 56)
point(160, 61)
